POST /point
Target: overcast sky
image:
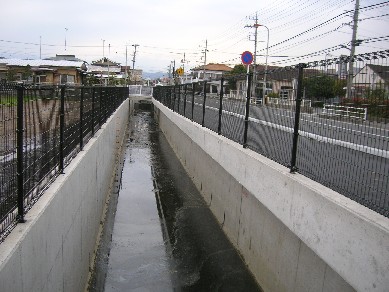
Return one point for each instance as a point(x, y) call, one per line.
point(165, 30)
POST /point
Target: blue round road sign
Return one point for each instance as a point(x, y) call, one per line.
point(247, 58)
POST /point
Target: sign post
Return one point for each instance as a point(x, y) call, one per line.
point(247, 58)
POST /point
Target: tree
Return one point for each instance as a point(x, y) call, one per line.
point(27, 72)
point(376, 94)
point(319, 87)
point(11, 75)
point(233, 75)
point(339, 87)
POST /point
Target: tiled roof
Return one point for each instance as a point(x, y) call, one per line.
point(213, 67)
point(105, 62)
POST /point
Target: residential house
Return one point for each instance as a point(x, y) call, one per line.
point(212, 73)
point(134, 75)
point(371, 77)
point(106, 71)
point(281, 82)
point(277, 81)
point(41, 71)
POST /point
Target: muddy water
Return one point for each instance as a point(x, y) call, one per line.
point(164, 238)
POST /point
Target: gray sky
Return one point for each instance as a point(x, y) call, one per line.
point(165, 30)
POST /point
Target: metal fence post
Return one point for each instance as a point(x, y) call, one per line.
point(170, 97)
point(19, 152)
point(185, 89)
point(246, 119)
point(299, 96)
point(100, 107)
point(193, 99)
point(219, 126)
point(204, 99)
point(179, 98)
point(61, 130)
point(93, 111)
point(81, 117)
point(174, 97)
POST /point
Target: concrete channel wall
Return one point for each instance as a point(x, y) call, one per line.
point(293, 233)
point(53, 250)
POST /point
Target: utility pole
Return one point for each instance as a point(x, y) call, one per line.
point(133, 62)
point(40, 47)
point(255, 26)
point(126, 68)
point(205, 57)
point(352, 51)
point(170, 71)
point(109, 53)
point(174, 71)
point(183, 63)
point(102, 62)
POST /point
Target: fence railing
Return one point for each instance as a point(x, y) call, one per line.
point(41, 130)
point(140, 90)
point(344, 111)
point(349, 155)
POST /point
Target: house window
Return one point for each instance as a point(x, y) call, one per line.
point(66, 79)
point(40, 79)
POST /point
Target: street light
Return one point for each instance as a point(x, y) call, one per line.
point(133, 62)
point(267, 54)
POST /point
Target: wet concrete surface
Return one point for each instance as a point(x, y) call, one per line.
point(164, 237)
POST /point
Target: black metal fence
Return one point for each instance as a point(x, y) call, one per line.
point(41, 130)
point(314, 118)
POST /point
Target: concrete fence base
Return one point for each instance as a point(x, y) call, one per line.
point(53, 250)
point(293, 233)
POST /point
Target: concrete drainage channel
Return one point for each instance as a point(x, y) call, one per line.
point(99, 272)
point(159, 235)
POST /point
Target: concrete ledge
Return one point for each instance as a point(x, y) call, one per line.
point(52, 251)
point(295, 234)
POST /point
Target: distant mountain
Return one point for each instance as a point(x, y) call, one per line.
point(153, 75)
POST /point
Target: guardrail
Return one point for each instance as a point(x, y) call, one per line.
point(344, 111)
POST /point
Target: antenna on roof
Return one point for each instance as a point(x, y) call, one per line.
point(65, 37)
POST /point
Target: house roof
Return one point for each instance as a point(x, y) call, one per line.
point(381, 71)
point(213, 67)
point(64, 58)
point(95, 68)
point(38, 63)
point(105, 62)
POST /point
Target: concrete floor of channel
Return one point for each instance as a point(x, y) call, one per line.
point(159, 234)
